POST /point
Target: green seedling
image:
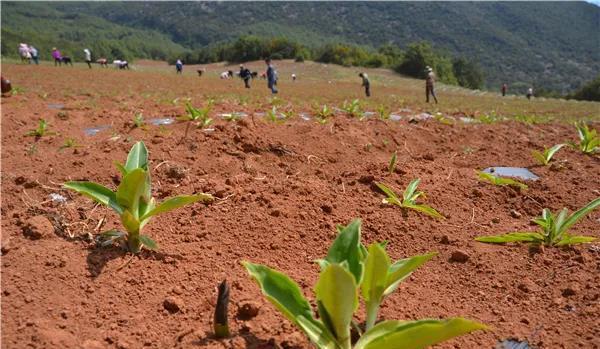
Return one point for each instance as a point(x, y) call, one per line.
point(276, 101)
point(589, 142)
point(545, 157)
point(69, 143)
point(383, 112)
point(554, 229)
point(409, 199)
point(392, 165)
point(352, 108)
point(138, 120)
point(273, 116)
point(348, 270)
point(41, 130)
point(442, 119)
point(490, 118)
point(323, 114)
point(200, 117)
point(133, 200)
point(499, 181)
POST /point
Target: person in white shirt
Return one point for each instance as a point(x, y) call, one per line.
point(88, 57)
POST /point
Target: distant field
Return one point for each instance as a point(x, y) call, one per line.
point(317, 83)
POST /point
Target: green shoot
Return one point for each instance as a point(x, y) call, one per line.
point(392, 165)
point(198, 116)
point(69, 143)
point(133, 200)
point(383, 112)
point(499, 181)
point(554, 229)
point(442, 119)
point(589, 142)
point(41, 130)
point(138, 120)
point(273, 116)
point(348, 270)
point(323, 114)
point(545, 157)
point(409, 199)
point(352, 108)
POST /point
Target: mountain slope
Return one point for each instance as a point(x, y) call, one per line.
point(552, 44)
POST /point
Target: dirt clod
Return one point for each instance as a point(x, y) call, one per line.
point(571, 290)
point(515, 214)
point(175, 172)
point(173, 304)
point(459, 256)
point(248, 309)
point(92, 344)
point(38, 227)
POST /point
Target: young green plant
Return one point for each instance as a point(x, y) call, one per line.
point(409, 199)
point(198, 116)
point(392, 165)
point(383, 112)
point(352, 108)
point(41, 130)
point(323, 114)
point(545, 157)
point(499, 181)
point(589, 142)
point(69, 143)
point(133, 200)
point(553, 229)
point(138, 120)
point(348, 270)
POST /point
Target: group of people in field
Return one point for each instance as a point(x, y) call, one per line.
point(29, 53)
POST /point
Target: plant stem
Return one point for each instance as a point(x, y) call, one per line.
point(372, 310)
point(133, 240)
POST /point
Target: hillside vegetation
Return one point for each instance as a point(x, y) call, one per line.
point(553, 46)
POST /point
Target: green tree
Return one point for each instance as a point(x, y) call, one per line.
point(468, 73)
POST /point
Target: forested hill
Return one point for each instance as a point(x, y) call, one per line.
point(551, 44)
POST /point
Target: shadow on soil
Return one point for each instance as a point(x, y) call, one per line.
point(100, 256)
point(251, 341)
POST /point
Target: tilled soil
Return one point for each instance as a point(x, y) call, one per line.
point(281, 189)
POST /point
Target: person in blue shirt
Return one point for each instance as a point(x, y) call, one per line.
point(271, 76)
point(179, 66)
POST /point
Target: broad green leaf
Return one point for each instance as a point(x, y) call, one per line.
point(415, 334)
point(137, 158)
point(574, 240)
point(580, 213)
point(96, 192)
point(402, 269)
point(282, 292)
point(176, 202)
point(392, 197)
point(512, 237)
point(430, 211)
point(317, 333)
point(121, 168)
point(553, 150)
point(412, 186)
point(346, 248)
point(131, 189)
point(376, 273)
point(337, 297)
point(539, 157)
point(148, 242)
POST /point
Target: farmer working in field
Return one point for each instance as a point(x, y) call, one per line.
point(88, 57)
point(429, 82)
point(57, 56)
point(529, 93)
point(504, 88)
point(366, 83)
point(34, 55)
point(179, 66)
point(245, 74)
point(271, 76)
